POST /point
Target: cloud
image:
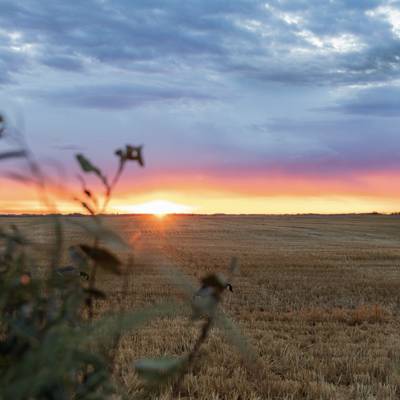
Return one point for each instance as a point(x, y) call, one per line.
point(377, 101)
point(297, 42)
point(115, 96)
point(326, 146)
point(261, 60)
point(12, 58)
point(66, 63)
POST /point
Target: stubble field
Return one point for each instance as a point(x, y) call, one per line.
point(317, 297)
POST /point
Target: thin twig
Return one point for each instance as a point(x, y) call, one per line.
point(110, 188)
point(205, 329)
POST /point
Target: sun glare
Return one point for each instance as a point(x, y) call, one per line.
point(160, 208)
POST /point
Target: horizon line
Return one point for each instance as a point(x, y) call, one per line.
point(195, 214)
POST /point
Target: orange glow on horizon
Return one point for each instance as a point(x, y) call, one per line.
point(179, 193)
point(211, 203)
point(159, 208)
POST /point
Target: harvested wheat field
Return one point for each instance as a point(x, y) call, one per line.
point(317, 297)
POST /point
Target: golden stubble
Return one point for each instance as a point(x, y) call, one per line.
point(317, 296)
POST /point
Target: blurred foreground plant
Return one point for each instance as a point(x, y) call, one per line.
point(50, 348)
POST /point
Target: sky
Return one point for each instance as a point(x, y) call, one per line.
point(242, 106)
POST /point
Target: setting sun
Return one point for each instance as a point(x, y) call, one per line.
point(159, 208)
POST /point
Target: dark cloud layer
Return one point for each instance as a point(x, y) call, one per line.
point(341, 57)
point(115, 97)
point(375, 102)
point(300, 42)
point(63, 62)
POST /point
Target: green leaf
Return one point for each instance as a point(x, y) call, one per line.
point(103, 258)
point(158, 370)
point(96, 293)
point(215, 281)
point(86, 191)
point(86, 165)
point(234, 336)
point(87, 207)
point(15, 236)
point(180, 280)
point(204, 306)
point(78, 258)
point(100, 232)
point(120, 153)
point(105, 329)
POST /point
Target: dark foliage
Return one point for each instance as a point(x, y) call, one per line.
point(51, 346)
